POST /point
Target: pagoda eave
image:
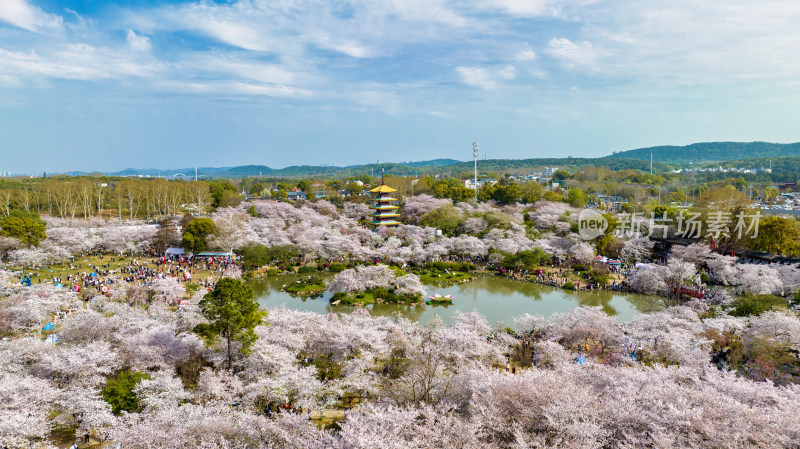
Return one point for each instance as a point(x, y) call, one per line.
point(386, 223)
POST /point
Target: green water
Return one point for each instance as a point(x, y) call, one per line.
point(498, 299)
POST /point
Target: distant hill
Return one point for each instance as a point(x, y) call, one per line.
point(432, 167)
point(700, 153)
point(528, 165)
point(395, 168)
point(740, 154)
point(432, 163)
point(784, 169)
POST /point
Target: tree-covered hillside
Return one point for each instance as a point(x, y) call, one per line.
point(526, 165)
point(698, 153)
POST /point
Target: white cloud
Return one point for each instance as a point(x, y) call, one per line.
point(233, 89)
point(525, 55)
point(486, 78)
point(19, 13)
point(358, 28)
point(137, 42)
point(571, 53)
point(75, 62)
point(685, 42)
point(527, 8)
point(232, 33)
point(229, 66)
point(437, 11)
point(283, 47)
point(348, 47)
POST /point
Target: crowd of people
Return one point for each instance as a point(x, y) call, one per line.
point(141, 270)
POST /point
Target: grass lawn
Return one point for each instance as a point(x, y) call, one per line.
point(87, 264)
point(369, 297)
point(301, 288)
point(434, 275)
point(355, 298)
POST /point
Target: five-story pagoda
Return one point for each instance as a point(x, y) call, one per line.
point(384, 212)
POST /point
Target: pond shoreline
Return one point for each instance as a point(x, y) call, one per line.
point(498, 297)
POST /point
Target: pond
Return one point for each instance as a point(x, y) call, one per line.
point(497, 298)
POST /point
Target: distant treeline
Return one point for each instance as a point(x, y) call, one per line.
point(68, 197)
point(528, 165)
point(699, 153)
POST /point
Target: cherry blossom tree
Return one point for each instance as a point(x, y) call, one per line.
point(362, 278)
point(584, 323)
point(417, 206)
point(398, 428)
point(25, 402)
point(723, 269)
point(649, 279)
point(696, 252)
point(678, 272)
point(356, 211)
point(9, 243)
point(758, 279)
point(469, 246)
point(582, 252)
point(30, 256)
point(233, 229)
point(674, 336)
point(474, 225)
point(778, 326)
point(789, 275)
point(636, 249)
point(409, 284)
point(127, 236)
point(547, 213)
point(168, 290)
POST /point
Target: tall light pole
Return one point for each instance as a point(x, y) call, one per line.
point(475, 156)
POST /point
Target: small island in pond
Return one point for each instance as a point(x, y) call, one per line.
point(376, 284)
point(445, 272)
point(310, 285)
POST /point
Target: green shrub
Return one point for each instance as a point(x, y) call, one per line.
point(755, 305)
point(446, 218)
point(526, 260)
point(192, 288)
point(336, 267)
point(119, 392)
point(309, 285)
point(602, 279)
point(307, 269)
point(452, 266)
point(569, 285)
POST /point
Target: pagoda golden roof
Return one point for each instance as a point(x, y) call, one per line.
point(383, 189)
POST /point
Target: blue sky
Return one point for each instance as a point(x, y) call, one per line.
point(105, 85)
